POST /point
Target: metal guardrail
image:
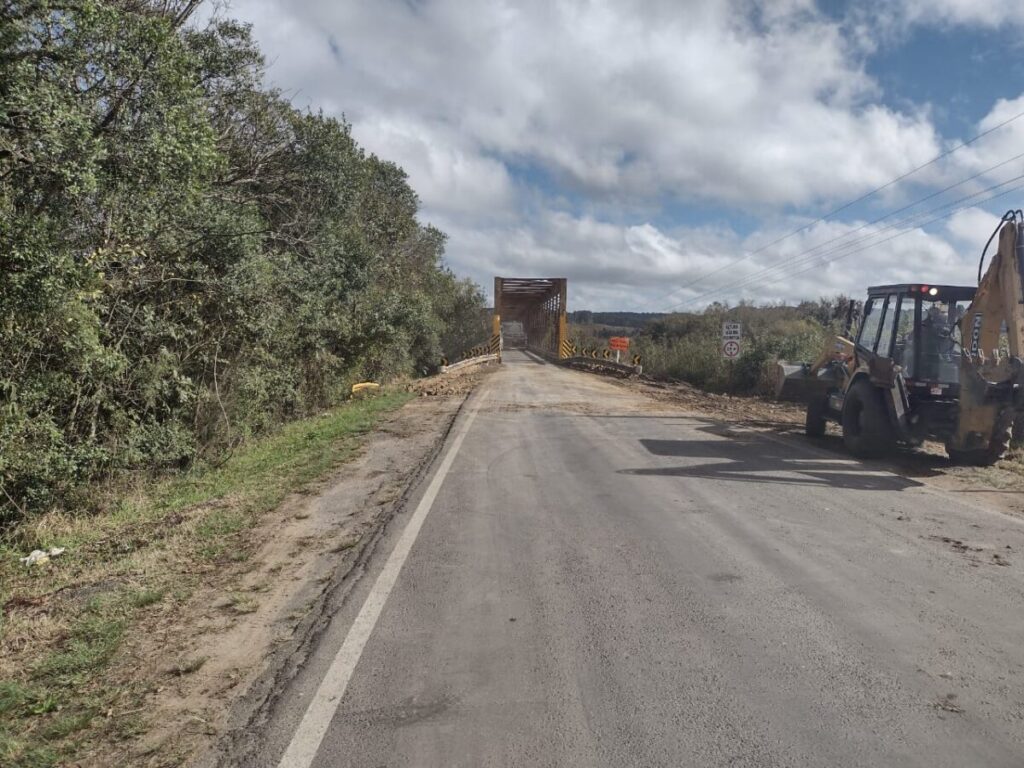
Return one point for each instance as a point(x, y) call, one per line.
point(469, 361)
point(596, 362)
point(572, 362)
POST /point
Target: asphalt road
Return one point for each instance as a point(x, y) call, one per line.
point(602, 581)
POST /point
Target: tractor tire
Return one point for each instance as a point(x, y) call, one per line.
point(814, 425)
point(997, 445)
point(867, 431)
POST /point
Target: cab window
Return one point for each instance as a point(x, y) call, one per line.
point(870, 323)
point(903, 349)
point(884, 348)
point(938, 356)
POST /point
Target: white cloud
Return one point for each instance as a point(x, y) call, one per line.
point(971, 228)
point(986, 13)
point(447, 174)
point(502, 112)
point(642, 268)
point(725, 101)
point(1003, 143)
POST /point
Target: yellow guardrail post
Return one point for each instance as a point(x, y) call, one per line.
point(494, 347)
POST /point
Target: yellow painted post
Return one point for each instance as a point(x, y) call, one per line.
point(496, 322)
point(495, 345)
point(563, 324)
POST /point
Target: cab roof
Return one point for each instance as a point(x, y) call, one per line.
point(941, 292)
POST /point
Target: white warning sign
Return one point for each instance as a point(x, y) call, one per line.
point(732, 337)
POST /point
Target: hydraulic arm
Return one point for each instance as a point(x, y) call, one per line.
point(992, 335)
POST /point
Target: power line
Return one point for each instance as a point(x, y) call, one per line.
point(915, 204)
point(898, 234)
point(803, 256)
point(845, 206)
point(857, 245)
point(759, 277)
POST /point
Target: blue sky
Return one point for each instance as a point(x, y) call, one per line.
point(654, 151)
point(960, 71)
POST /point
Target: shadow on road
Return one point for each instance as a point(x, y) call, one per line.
point(749, 459)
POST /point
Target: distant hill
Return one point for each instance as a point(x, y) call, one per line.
point(615, 319)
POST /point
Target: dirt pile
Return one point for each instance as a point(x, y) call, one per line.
point(754, 411)
point(461, 381)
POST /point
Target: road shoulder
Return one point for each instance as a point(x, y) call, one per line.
point(251, 638)
point(167, 623)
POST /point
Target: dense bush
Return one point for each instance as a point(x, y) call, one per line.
point(687, 346)
point(185, 258)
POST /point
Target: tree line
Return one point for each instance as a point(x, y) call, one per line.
point(687, 346)
point(186, 259)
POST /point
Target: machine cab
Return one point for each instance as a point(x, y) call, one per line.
point(917, 326)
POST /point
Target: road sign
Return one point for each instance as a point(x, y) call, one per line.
point(619, 343)
point(732, 335)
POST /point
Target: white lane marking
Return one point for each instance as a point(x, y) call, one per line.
point(307, 738)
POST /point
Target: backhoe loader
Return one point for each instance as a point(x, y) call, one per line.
point(939, 362)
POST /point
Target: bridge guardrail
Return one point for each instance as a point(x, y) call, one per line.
point(485, 358)
point(596, 362)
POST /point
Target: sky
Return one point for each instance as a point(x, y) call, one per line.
point(665, 154)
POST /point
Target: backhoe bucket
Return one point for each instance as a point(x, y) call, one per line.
point(793, 382)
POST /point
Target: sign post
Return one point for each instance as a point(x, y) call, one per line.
point(619, 344)
point(732, 340)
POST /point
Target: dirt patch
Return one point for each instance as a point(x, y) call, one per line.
point(200, 657)
point(750, 411)
point(955, 544)
point(461, 381)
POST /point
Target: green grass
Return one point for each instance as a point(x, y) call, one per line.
point(273, 467)
point(93, 639)
point(146, 597)
point(54, 694)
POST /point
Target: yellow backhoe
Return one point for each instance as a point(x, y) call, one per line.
point(928, 361)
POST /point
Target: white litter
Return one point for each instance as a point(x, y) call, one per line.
point(40, 556)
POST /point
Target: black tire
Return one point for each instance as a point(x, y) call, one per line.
point(814, 425)
point(997, 445)
point(867, 431)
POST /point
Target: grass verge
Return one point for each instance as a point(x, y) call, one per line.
point(62, 623)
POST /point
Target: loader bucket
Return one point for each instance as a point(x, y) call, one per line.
point(791, 381)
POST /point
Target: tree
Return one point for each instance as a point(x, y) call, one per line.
point(185, 258)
